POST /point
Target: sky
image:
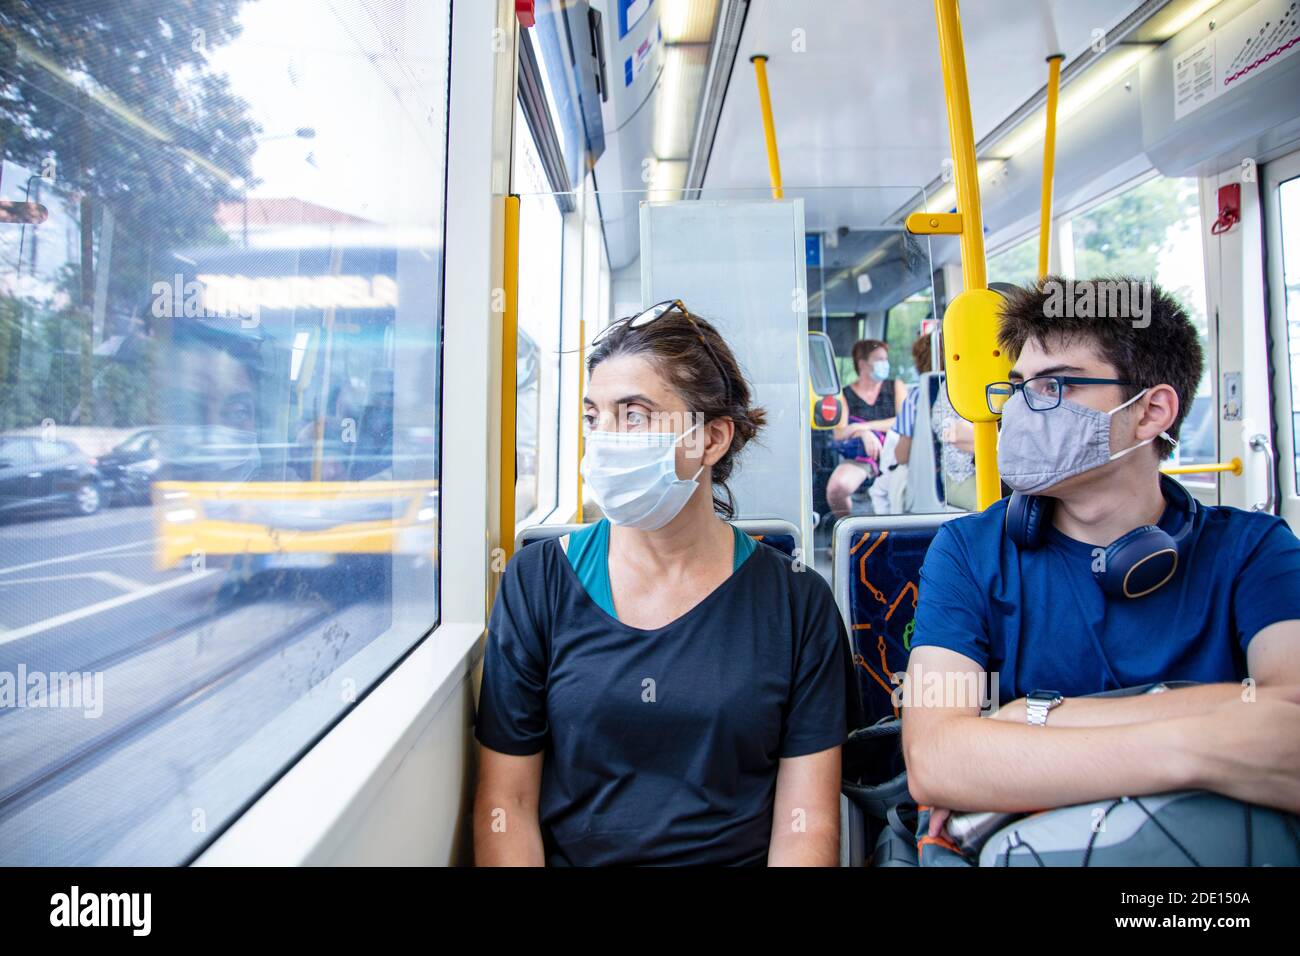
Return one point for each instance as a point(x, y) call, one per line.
point(369, 76)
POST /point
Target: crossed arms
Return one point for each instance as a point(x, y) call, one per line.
point(1233, 739)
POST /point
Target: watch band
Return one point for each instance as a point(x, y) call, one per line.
point(1036, 712)
point(1037, 706)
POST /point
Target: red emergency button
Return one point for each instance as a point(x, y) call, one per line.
point(829, 408)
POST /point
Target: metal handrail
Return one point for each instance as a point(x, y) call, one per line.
point(1260, 442)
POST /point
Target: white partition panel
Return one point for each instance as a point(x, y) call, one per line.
point(740, 264)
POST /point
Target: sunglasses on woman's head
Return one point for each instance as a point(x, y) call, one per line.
point(658, 311)
point(643, 318)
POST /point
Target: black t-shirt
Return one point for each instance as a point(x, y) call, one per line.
point(662, 746)
point(882, 407)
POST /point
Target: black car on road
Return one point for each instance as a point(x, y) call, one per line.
point(129, 468)
point(38, 473)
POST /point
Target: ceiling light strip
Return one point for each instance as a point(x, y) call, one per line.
point(726, 44)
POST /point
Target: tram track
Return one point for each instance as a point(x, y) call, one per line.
point(88, 753)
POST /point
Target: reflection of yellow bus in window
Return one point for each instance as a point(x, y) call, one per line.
point(281, 439)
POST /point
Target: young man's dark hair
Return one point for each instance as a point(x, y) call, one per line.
point(1142, 331)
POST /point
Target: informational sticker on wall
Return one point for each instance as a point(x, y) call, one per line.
point(635, 63)
point(1194, 78)
point(1247, 45)
point(1232, 396)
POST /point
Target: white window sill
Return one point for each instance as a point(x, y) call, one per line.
point(315, 803)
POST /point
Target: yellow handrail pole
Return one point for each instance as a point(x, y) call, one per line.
point(952, 56)
point(1049, 161)
point(509, 375)
point(582, 358)
point(965, 171)
point(1230, 467)
point(769, 126)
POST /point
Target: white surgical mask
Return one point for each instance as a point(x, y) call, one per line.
point(633, 477)
point(1037, 450)
point(880, 369)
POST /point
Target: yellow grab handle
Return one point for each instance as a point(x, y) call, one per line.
point(1231, 467)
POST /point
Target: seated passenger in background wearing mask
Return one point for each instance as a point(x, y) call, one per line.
point(658, 688)
point(1065, 589)
point(872, 404)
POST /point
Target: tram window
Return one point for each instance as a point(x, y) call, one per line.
point(903, 325)
point(1154, 229)
point(1289, 207)
point(541, 264)
point(232, 315)
point(528, 360)
point(1017, 264)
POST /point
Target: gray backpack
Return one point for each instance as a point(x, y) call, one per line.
point(1184, 828)
point(1181, 828)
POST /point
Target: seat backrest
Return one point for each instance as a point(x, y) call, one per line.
point(776, 532)
point(924, 494)
point(540, 532)
point(877, 573)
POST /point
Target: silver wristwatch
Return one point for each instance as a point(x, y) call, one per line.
point(1038, 703)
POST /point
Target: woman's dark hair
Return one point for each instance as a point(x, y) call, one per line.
point(673, 344)
point(862, 350)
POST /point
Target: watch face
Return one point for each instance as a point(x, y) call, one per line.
point(1045, 695)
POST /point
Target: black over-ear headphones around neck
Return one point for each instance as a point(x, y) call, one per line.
point(1135, 564)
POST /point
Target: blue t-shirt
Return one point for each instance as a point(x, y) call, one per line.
point(1039, 620)
point(906, 422)
point(662, 746)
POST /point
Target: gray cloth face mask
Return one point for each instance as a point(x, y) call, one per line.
point(1037, 450)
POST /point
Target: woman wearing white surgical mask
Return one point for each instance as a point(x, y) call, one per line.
point(659, 688)
point(872, 403)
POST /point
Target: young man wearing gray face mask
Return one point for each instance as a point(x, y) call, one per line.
point(1100, 574)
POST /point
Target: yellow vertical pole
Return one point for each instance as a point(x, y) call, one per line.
point(1049, 162)
point(965, 171)
point(769, 126)
point(509, 375)
point(971, 241)
point(582, 358)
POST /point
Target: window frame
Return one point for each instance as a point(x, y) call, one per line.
point(1206, 486)
point(547, 481)
point(1284, 376)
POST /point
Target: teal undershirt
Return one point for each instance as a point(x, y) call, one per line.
point(588, 555)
